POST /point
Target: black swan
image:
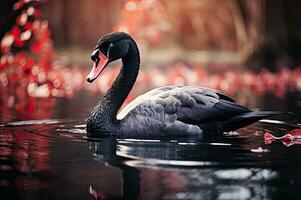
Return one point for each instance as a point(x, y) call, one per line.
point(165, 111)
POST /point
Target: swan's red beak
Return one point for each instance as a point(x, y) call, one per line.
point(98, 66)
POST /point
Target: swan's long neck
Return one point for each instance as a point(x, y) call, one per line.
point(103, 116)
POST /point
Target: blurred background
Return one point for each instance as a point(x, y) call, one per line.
point(249, 49)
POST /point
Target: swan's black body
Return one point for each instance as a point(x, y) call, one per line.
point(166, 111)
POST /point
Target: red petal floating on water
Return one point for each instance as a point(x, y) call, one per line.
point(292, 137)
point(296, 133)
point(269, 136)
point(268, 141)
point(287, 138)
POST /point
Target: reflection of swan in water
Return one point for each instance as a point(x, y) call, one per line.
point(143, 178)
point(105, 149)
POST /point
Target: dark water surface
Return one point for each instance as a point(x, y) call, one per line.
point(53, 159)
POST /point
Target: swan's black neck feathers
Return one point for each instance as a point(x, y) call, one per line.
point(103, 117)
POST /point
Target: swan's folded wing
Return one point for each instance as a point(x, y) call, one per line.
point(217, 112)
point(193, 105)
point(188, 104)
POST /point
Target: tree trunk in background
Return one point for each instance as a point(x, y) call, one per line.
point(273, 32)
point(80, 22)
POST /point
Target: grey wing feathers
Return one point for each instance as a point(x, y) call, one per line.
point(210, 107)
point(187, 104)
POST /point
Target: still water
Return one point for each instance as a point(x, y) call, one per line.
point(53, 159)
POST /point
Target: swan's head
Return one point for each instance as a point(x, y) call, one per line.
point(109, 48)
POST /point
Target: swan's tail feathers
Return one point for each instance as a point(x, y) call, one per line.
point(248, 118)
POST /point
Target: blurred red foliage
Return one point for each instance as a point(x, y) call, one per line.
point(150, 15)
point(228, 80)
point(35, 71)
point(27, 76)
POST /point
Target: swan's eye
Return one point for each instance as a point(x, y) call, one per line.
point(94, 55)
